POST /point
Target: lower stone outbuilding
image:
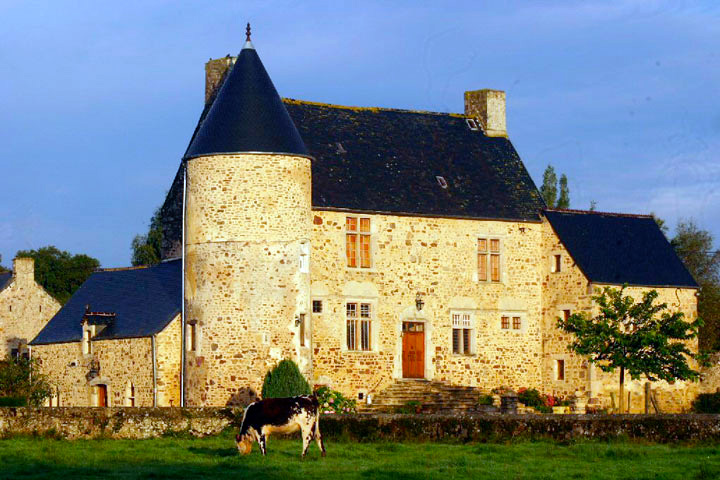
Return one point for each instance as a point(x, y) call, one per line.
point(117, 342)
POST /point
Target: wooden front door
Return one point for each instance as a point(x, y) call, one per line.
point(413, 352)
point(102, 395)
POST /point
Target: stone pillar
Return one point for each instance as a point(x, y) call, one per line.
point(488, 106)
point(509, 402)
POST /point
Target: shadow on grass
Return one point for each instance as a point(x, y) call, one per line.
point(214, 452)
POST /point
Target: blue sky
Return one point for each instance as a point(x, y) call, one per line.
point(99, 99)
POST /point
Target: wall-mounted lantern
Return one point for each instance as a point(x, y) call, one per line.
point(419, 303)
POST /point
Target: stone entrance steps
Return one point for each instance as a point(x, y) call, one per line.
point(433, 396)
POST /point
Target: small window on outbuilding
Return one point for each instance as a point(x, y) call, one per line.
point(557, 263)
point(317, 306)
point(130, 394)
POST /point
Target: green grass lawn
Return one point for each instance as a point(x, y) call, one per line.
point(216, 457)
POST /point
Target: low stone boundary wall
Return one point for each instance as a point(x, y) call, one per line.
point(120, 422)
point(138, 423)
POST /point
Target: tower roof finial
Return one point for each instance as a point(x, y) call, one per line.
point(248, 43)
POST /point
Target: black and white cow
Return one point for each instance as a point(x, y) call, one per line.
point(281, 415)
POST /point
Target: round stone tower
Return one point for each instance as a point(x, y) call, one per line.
point(247, 233)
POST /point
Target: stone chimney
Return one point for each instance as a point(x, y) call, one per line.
point(214, 73)
point(488, 106)
point(24, 270)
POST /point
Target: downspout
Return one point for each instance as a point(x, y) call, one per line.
point(154, 363)
point(183, 327)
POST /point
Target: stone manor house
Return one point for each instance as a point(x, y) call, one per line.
point(370, 245)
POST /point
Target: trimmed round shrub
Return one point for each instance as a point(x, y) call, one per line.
point(285, 380)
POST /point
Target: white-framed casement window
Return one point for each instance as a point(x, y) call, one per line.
point(358, 326)
point(489, 258)
point(556, 263)
point(463, 333)
point(358, 249)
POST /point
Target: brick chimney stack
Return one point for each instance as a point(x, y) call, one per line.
point(488, 106)
point(24, 270)
point(214, 73)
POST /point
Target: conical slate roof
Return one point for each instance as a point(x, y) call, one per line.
point(247, 115)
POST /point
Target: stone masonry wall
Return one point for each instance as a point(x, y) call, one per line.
point(168, 345)
point(248, 216)
point(25, 308)
point(438, 258)
point(143, 423)
point(121, 361)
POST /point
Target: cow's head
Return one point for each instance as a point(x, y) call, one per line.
point(244, 443)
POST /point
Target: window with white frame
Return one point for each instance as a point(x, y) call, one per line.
point(357, 242)
point(463, 333)
point(488, 255)
point(358, 326)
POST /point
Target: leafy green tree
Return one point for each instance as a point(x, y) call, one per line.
point(593, 205)
point(20, 380)
point(2, 269)
point(60, 272)
point(638, 338)
point(285, 380)
point(147, 249)
point(563, 200)
point(548, 190)
point(694, 246)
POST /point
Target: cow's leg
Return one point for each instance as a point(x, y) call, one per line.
point(262, 443)
point(307, 435)
point(318, 437)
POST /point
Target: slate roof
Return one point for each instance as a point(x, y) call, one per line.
point(247, 115)
point(145, 300)
point(5, 279)
point(387, 160)
point(616, 248)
